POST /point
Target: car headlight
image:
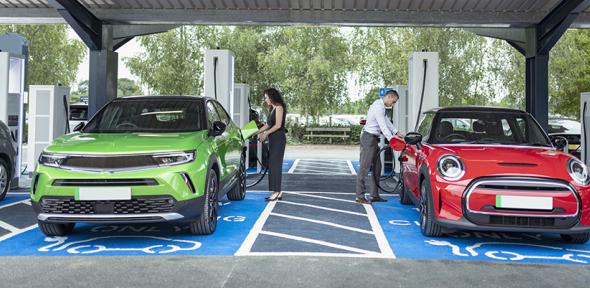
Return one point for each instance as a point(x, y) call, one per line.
point(578, 171)
point(52, 160)
point(450, 167)
point(174, 158)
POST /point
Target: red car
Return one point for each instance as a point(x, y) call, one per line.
point(493, 169)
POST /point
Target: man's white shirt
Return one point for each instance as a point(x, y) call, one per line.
point(377, 123)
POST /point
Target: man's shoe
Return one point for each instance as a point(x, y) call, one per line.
point(378, 199)
point(362, 200)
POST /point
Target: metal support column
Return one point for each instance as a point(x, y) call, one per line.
point(103, 40)
point(535, 43)
point(537, 88)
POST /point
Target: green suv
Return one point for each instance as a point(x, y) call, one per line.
point(141, 160)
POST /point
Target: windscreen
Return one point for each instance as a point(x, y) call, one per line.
point(148, 115)
point(479, 127)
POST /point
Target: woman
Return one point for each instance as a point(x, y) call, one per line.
point(274, 131)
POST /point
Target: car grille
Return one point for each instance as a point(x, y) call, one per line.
point(492, 216)
point(139, 205)
point(522, 221)
point(111, 162)
point(105, 182)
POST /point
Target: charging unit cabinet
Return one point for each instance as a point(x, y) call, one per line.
point(585, 121)
point(219, 77)
point(48, 118)
point(14, 53)
point(417, 63)
point(240, 110)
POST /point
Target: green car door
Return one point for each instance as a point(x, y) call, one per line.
point(228, 145)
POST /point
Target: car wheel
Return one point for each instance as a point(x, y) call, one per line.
point(404, 198)
point(56, 229)
point(580, 238)
point(239, 191)
point(207, 222)
point(428, 225)
point(4, 178)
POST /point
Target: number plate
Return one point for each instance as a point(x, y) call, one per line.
point(103, 193)
point(524, 202)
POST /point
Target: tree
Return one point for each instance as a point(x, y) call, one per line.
point(309, 65)
point(53, 58)
point(172, 63)
point(128, 87)
point(465, 61)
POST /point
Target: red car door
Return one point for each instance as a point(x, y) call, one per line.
point(411, 169)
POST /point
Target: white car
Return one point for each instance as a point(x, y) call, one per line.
point(78, 114)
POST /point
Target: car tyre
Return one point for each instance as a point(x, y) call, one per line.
point(239, 191)
point(56, 229)
point(207, 222)
point(428, 225)
point(580, 238)
point(4, 178)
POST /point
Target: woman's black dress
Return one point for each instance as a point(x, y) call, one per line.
point(276, 146)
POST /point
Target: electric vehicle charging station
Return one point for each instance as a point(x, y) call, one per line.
point(423, 77)
point(420, 95)
point(219, 85)
point(585, 121)
point(14, 53)
point(48, 118)
point(219, 77)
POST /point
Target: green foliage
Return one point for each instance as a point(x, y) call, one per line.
point(127, 87)
point(309, 65)
point(53, 59)
point(172, 63)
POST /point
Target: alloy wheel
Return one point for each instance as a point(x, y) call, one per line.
point(423, 206)
point(3, 178)
point(213, 206)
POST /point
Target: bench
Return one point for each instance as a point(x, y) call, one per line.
point(343, 133)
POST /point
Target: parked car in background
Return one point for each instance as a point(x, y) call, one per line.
point(494, 169)
point(78, 114)
point(142, 160)
point(570, 129)
point(7, 159)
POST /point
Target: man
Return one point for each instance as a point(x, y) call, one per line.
point(376, 124)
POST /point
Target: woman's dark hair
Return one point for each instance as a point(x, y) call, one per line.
point(276, 97)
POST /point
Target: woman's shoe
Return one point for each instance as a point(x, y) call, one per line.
point(273, 197)
point(280, 196)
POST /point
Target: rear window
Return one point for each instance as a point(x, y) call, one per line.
point(149, 115)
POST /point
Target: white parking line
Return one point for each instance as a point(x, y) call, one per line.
point(316, 254)
point(256, 229)
point(19, 231)
point(318, 242)
point(323, 223)
point(379, 235)
point(351, 167)
point(321, 197)
point(294, 166)
point(323, 208)
point(8, 227)
point(26, 201)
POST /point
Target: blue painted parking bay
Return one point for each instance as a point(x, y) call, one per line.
point(317, 217)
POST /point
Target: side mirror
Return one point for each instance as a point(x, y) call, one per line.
point(413, 138)
point(559, 142)
point(79, 127)
point(217, 129)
